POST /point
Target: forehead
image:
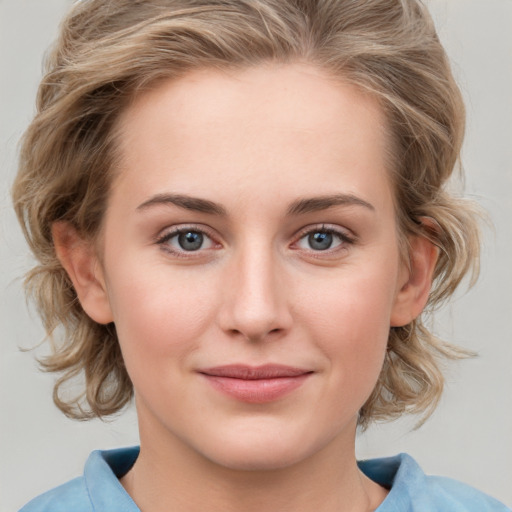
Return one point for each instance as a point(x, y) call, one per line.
point(286, 125)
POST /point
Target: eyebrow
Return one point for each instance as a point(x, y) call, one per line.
point(314, 204)
point(186, 202)
point(299, 207)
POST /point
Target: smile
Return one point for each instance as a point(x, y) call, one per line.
point(257, 385)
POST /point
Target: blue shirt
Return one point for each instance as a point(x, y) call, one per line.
point(99, 489)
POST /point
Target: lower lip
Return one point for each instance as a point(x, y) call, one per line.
point(258, 391)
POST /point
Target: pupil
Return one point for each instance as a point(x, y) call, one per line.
point(320, 241)
point(190, 241)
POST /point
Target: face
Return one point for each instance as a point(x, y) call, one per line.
point(250, 262)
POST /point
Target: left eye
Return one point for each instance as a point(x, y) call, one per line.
point(188, 240)
point(321, 240)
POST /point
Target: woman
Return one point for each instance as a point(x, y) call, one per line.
point(240, 213)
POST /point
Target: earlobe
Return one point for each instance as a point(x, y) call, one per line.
point(79, 259)
point(414, 291)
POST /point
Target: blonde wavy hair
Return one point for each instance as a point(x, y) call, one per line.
point(110, 50)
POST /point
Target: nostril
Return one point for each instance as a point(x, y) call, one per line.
point(258, 335)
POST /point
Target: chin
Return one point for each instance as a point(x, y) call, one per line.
point(270, 452)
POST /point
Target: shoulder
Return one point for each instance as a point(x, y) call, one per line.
point(411, 490)
point(462, 497)
point(70, 496)
point(97, 490)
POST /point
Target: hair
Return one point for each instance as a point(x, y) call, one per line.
point(109, 51)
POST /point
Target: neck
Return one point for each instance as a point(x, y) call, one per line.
point(174, 477)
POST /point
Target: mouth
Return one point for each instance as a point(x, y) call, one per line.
point(256, 384)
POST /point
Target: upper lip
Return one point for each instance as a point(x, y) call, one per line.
point(247, 372)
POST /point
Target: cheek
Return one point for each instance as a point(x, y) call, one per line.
point(158, 315)
point(351, 320)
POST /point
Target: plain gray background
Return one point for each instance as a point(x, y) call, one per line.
point(470, 435)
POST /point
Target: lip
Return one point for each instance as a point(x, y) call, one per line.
point(255, 384)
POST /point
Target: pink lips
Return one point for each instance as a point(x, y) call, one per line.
point(256, 384)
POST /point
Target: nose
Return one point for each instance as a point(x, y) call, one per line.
point(255, 305)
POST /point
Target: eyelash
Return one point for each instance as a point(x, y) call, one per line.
point(344, 240)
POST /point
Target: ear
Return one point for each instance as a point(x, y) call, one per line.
point(79, 259)
point(416, 282)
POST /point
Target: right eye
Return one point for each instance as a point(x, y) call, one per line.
point(183, 240)
point(189, 240)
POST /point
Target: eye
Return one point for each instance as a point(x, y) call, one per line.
point(323, 239)
point(320, 241)
point(189, 241)
point(183, 240)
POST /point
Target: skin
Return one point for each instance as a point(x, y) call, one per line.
point(256, 143)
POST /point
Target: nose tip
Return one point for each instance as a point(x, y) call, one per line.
point(255, 306)
point(255, 323)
